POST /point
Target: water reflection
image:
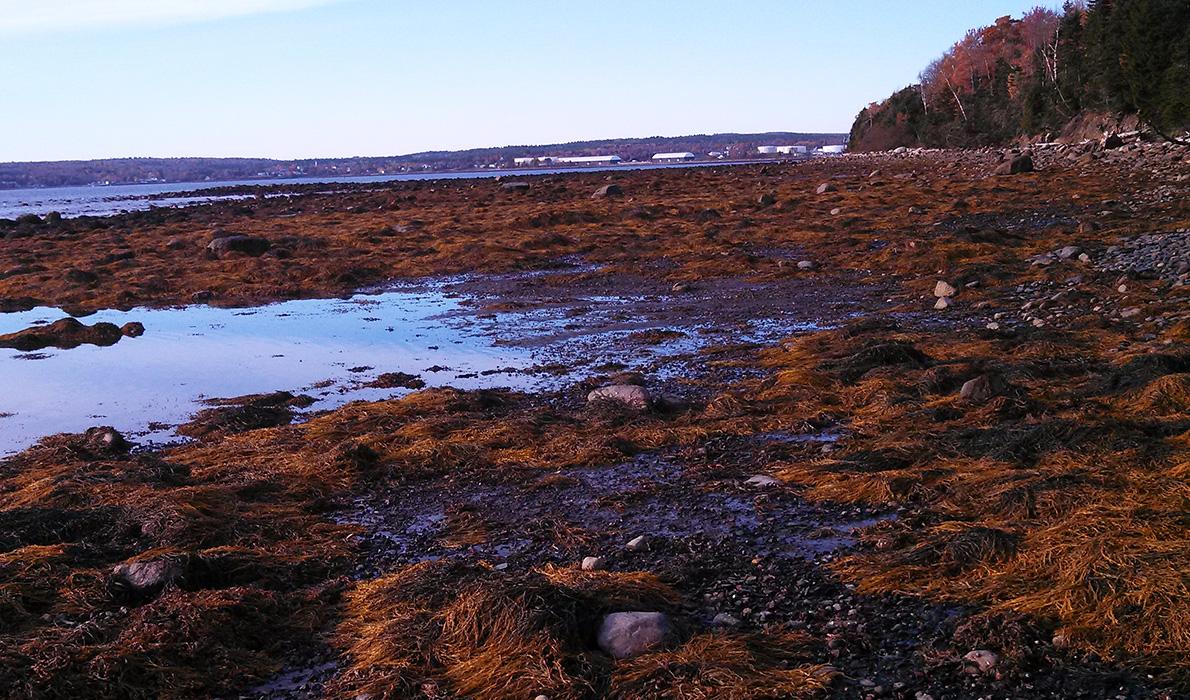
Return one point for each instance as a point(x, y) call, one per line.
point(196, 352)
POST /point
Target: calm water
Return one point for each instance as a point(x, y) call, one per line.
point(113, 199)
point(331, 349)
point(328, 348)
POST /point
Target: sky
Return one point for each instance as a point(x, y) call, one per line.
point(85, 79)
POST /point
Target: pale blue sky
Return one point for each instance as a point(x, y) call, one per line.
point(322, 78)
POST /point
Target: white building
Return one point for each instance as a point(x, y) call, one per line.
point(766, 149)
point(833, 149)
point(567, 160)
point(684, 155)
point(792, 150)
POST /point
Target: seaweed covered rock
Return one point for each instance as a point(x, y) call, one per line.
point(140, 580)
point(224, 246)
point(64, 333)
point(245, 413)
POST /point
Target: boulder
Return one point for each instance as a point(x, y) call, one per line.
point(767, 199)
point(144, 579)
point(64, 333)
point(132, 329)
point(761, 481)
point(639, 543)
point(1112, 141)
point(515, 186)
point(806, 265)
point(223, 246)
point(625, 635)
point(608, 191)
point(943, 303)
point(1068, 252)
point(1015, 166)
point(826, 187)
point(630, 395)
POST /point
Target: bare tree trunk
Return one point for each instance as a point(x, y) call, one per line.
point(962, 111)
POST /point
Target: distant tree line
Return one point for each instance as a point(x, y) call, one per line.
point(1035, 75)
point(131, 170)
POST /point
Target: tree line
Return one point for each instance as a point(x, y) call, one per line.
point(1034, 75)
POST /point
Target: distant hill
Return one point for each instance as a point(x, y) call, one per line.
point(132, 170)
point(1044, 74)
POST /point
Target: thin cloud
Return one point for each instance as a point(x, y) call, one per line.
point(36, 16)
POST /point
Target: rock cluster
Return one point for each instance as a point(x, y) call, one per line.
point(1162, 255)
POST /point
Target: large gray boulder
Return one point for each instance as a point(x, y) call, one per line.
point(630, 395)
point(624, 635)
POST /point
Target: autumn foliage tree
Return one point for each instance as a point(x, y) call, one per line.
point(1027, 76)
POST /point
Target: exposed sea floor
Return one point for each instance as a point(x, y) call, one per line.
point(476, 332)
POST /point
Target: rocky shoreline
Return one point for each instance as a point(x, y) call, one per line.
point(969, 481)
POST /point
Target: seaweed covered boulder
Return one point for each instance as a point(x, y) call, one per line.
point(224, 246)
point(64, 333)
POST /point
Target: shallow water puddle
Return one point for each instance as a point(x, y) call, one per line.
point(144, 386)
point(442, 331)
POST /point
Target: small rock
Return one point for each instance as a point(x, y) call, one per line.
point(826, 187)
point(767, 200)
point(943, 303)
point(639, 543)
point(1130, 312)
point(105, 440)
point(943, 289)
point(515, 186)
point(143, 579)
point(979, 661)
point(806, 265)
point(1068, 252)
point(1015, 166)
point(132, 329)
point(612, 190)
point(624, 635)
point(981, 389)
point(762, 481)
point(630, 395)
point(594, 564)
point(680, 287)
point(725, 620)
